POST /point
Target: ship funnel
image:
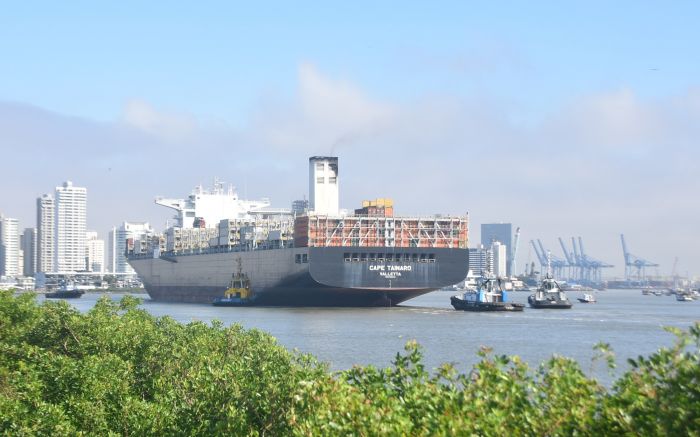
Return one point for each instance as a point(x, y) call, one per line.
point(323, 185)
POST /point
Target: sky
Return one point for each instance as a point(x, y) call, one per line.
point(563, 118)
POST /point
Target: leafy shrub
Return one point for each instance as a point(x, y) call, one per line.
point(119, 370)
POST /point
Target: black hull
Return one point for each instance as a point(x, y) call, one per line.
point(63, 295)
point(551, 305)
point(462, 305)
point(218, 303)
point(314, 295)
point(306, 276)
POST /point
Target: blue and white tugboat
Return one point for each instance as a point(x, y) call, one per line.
point(488, 296)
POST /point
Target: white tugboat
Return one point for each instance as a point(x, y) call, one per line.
point(549, 294)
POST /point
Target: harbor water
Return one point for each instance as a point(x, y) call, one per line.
point(630, 322)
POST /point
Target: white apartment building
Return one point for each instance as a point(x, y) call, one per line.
point(71, 223)
point(45, 233)
point(500, 260)
point(94, 253)
point(9, 247)
point(117, 245)
point(28, 243)
point(480, 260)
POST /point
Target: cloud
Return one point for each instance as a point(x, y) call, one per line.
point(170, 126)
point(324, 115)
point(601, 164)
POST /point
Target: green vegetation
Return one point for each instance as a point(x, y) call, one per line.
point(118, 370)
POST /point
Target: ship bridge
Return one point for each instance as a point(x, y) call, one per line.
point(211, 206)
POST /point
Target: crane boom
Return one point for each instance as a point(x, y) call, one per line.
point(625, 252)
point(568, 256)
point(514, 252)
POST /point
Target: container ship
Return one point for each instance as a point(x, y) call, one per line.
point(313, 255)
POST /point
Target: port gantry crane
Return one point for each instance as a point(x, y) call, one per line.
point(577, 265)
point(573, 272)
point(514, 252)
point(557, 264)
point(590, 268)
point(635, 267)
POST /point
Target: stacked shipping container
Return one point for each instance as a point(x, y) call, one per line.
point(361, 231)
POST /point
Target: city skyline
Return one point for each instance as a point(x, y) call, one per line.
point(563, 120)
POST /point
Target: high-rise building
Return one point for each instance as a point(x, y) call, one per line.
point(480, 260)
point(501, 232)
point(94, 253)
point(117, 244)
point(9, 247)
point(28, 243)
point(71, 222)
point(323, 185)
point(499, 268)
point(45, 233)
point(300, 207)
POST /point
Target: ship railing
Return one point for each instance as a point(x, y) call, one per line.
point(212, 250)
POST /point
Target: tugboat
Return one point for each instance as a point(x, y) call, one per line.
point(238, 293)
point(65, 292)
point(549, 295)
point(488, 296)
point(587, 298)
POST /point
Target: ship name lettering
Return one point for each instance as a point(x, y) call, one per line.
point(383, 268)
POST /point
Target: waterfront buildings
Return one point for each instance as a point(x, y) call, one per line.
point(9, 247)
point(28, 244)
point(45, 223)
point(117, 244)
point(480, 260)
point(94, 253)
point(71, 220)
point(502, 233)
point(300, 207)
point(498, 267)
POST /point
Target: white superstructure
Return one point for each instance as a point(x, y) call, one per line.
point(211, 206)
point(45, 228)
point(323, 185)
point(9, 247)
point(71, 222)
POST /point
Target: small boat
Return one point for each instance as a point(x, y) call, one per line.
point(658, 293)
point(65, 292)
point(549, 295)
point(587, 298)
point(238, 293)
point(684, 297)
point(647, 291)
point(488, 296)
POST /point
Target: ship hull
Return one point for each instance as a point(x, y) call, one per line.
point(331, 276)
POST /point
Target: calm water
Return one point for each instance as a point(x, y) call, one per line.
point(631, 322)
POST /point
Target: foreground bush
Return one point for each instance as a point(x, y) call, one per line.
point(117, 369)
